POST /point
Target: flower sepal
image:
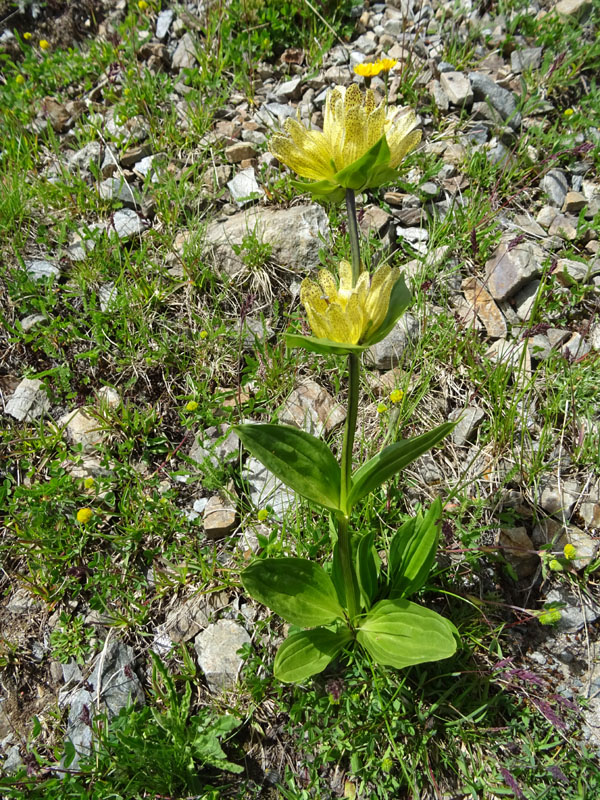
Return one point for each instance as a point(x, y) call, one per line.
point(400, 299)
point(360, 174)
point(325, 190)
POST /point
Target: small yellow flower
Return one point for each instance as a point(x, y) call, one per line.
point(262, 515)
point(19, 80)
point(44, 44)
point(382, 408)
point(568, 112)
point(203, 334)
point(347, 314)
point(27, 36)
point(396, 396)
point(570, 552)
point(369, 70)
point(142, 5)
point(191, 406)
point(353, 124)
point(88, 483)
point(84, 515)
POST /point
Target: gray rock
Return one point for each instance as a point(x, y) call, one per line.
point(574, 201)
point(267, 490)
point(312, 409)
point(527, 58)
point(289, 90)
point(519, 551)
point(539, 347)
point(586, 548)
point(560, 500)
point(216, 445)
point(573, 8)
point(184, 56)
point(299, 252)
point(576, 346)
point(510, 268)
point(163, 23)
point(30, 321)
point(440, 98)
point(525, 299)
point(22, 603)
point(186, 620)
point(118, 189)
point(470, 419)
point(274, 113)
point(565, 226)
point(107, 295)
point(484, 88)
point(147, 166)
point(82, 429)
point(90, 154)
point(555, 184)
point(576, 612)
point(38, 268)
point(216, 649)
point(126, 224)
point(29, 401)
point(457, 88)
point(387, 353)
point(244, 187)
point(12, 760)
point(577, 271)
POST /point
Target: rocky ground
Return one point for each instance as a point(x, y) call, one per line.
point(473, 113)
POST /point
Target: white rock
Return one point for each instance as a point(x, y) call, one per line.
point(216, 649)
point(29, 400)
point(312, 409)
point(82, 429)
point(38, 268)
point(457, 88)
point(244, 187)
point(184, 56)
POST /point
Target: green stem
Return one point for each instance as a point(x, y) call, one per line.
point(344, 537)
point(353, 231)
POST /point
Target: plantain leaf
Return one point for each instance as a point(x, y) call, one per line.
point(308, 652)
point(412, 551)
point(301, 461)
point(300, 591)
point(399, 633)
point(366, 569)
point(392, 459)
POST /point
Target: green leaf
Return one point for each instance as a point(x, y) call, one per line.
point(392, 459)
point(300, 591)
point(357, 175)
point(301, 461)
point(400, 299)
point(366, 570)
point(322, 346)
point(309, 652)
point(325, 190)
point(412, 551)
point(399, 633)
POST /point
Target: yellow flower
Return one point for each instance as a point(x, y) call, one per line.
point(369, 70)
point(346, 314)
point(191, 406)
point(396, 395)
point(568, 112)
point(88, 483)
point(142, 5)
point(44, 44)
point(569, 551)
point(203, 334)
point(27, 36)
point(84, 515)
point(382, 408)
point(20, 80)
point(262, 515)
point(352, 126)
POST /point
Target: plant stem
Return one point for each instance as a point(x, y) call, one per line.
point(353, 231)
point(344, 537)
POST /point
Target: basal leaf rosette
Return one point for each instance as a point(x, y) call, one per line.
point(361, 146)
point(348, 319)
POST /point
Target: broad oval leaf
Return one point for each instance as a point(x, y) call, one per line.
point(300, 591)
point(301, 461)
point(399, 633)
point(412, 552)
point(392, 459)
point(308, 652)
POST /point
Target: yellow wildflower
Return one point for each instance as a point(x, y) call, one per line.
point(346, 314)
point(84, 515)
point(203, 334)
point(19, 80)
point(142, 5)
point(369, 70)
point(191, 406)
point(396, 395)
point(44, 44)
point(27, 36)
point(382, 408)
point(570, 552)
point(352, 126)
point(262, 515)
point(88, 482)
point(568, 112)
